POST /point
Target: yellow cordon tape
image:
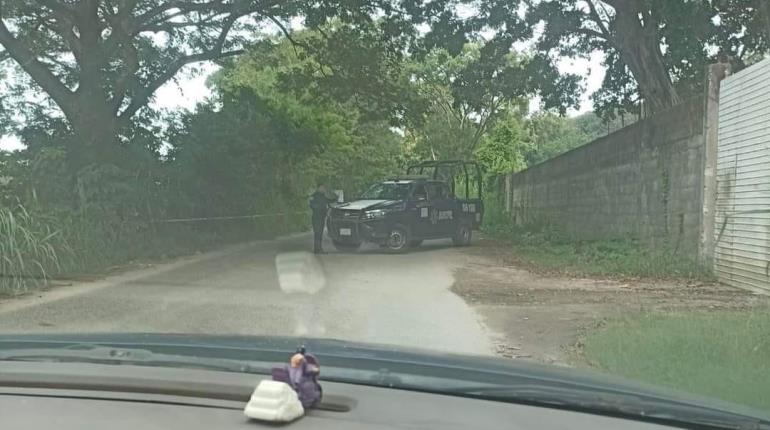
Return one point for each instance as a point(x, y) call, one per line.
point(218, 218)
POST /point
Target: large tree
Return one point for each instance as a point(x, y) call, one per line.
point(444, 98)
point(744, 29)
point(630, 32)
point(465, 94)
point(100, 61)
point(655, 51)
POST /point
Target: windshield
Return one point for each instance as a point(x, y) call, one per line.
point(388, 191)
point(589, 179)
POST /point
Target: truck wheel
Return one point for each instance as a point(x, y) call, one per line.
point(346, 246)
point(415, 243)
point(462, 235)
point(398, 239)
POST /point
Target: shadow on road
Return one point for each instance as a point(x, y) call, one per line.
point(372, 249)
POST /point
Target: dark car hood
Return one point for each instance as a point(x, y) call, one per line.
point(366, 204)
point(380, 365)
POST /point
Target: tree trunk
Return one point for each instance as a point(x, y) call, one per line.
point(96, 133)
point(764, 11)
point(639, 47)
point(92, 118)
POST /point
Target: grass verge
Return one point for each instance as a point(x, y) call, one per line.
point(40, 245)
point(624, 258)
point(546, 248)
point(27, 250)
point(719, 355)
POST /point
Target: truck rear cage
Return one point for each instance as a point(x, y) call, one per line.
point(421, 167)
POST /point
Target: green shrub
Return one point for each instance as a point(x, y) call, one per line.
point(544, 245)
point(105, 216)
point(28, 250)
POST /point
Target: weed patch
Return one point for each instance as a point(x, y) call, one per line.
point(719, 355)
point(546, 247)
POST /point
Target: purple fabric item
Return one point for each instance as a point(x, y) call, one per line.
point(303, 379)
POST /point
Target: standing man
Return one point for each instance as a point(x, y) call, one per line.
point(319, 204)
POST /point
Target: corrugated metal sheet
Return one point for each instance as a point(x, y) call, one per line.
point(742, 254)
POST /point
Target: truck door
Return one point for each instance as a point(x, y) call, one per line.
point(422, 225)
point(443, 207)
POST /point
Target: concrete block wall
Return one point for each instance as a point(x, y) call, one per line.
point(643, 181)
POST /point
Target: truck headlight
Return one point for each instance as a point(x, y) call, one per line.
point(375, 214)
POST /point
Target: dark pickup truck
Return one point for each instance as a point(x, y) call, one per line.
point(401, 212)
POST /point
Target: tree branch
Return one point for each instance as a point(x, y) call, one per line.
point(169, 27)
point(295, 43)
point(593, 33)
point(183, 5)
point(286, 33)
point(494, 106)
point(24, 56)
point(66, 29)
point(594, 13)
point(229, 22)
point(143, 97)
point(129, 54)
point(58, 8)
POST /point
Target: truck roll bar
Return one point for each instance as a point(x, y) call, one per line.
point(437, 164)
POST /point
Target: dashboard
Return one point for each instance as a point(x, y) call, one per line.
point(78, 396)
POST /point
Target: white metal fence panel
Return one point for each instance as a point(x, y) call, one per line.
point(742, 254)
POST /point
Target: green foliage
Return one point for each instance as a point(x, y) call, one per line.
point(625, 258)
point(744, 30)
point(102, 67)
point(546, 247)
point(267, 140)
point(721, 355)
point(28, 250)
point(256, 148)
point(465, 95)
point(351, 98)
point(441, 136)
point(9, 166)
point(553, 135)
point(632, 34)
point(504, 149)
point(515, 143)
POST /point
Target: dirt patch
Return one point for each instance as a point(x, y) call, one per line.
point(538, 316)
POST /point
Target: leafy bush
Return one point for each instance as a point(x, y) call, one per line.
point(28, 250)
point(544, 245)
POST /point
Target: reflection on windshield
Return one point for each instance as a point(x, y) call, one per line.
point(568, 190)
point(387, 191)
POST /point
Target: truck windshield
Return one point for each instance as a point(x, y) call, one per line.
point(388, 191)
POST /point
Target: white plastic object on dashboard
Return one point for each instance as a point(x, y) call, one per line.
point(274, 401)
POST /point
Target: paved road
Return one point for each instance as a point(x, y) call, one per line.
point(368, 296)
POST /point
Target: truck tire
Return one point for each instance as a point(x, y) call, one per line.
point(398, 239)
point(415, 243)
point(346, 246)
point(463, 234)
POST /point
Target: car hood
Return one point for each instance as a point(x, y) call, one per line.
point(392, 367)
point(366, 204)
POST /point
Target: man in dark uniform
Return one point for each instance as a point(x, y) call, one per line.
point(319, 204)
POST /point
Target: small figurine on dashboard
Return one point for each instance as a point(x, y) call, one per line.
point(302, 375)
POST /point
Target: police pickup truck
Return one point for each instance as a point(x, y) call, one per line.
point(403, 211)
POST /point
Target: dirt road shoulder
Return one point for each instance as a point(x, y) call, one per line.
point(540, 317)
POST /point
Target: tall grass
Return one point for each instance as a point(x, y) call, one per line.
point(720, 355)
point(545, 246)
point(28, 251)
point(36, 243)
